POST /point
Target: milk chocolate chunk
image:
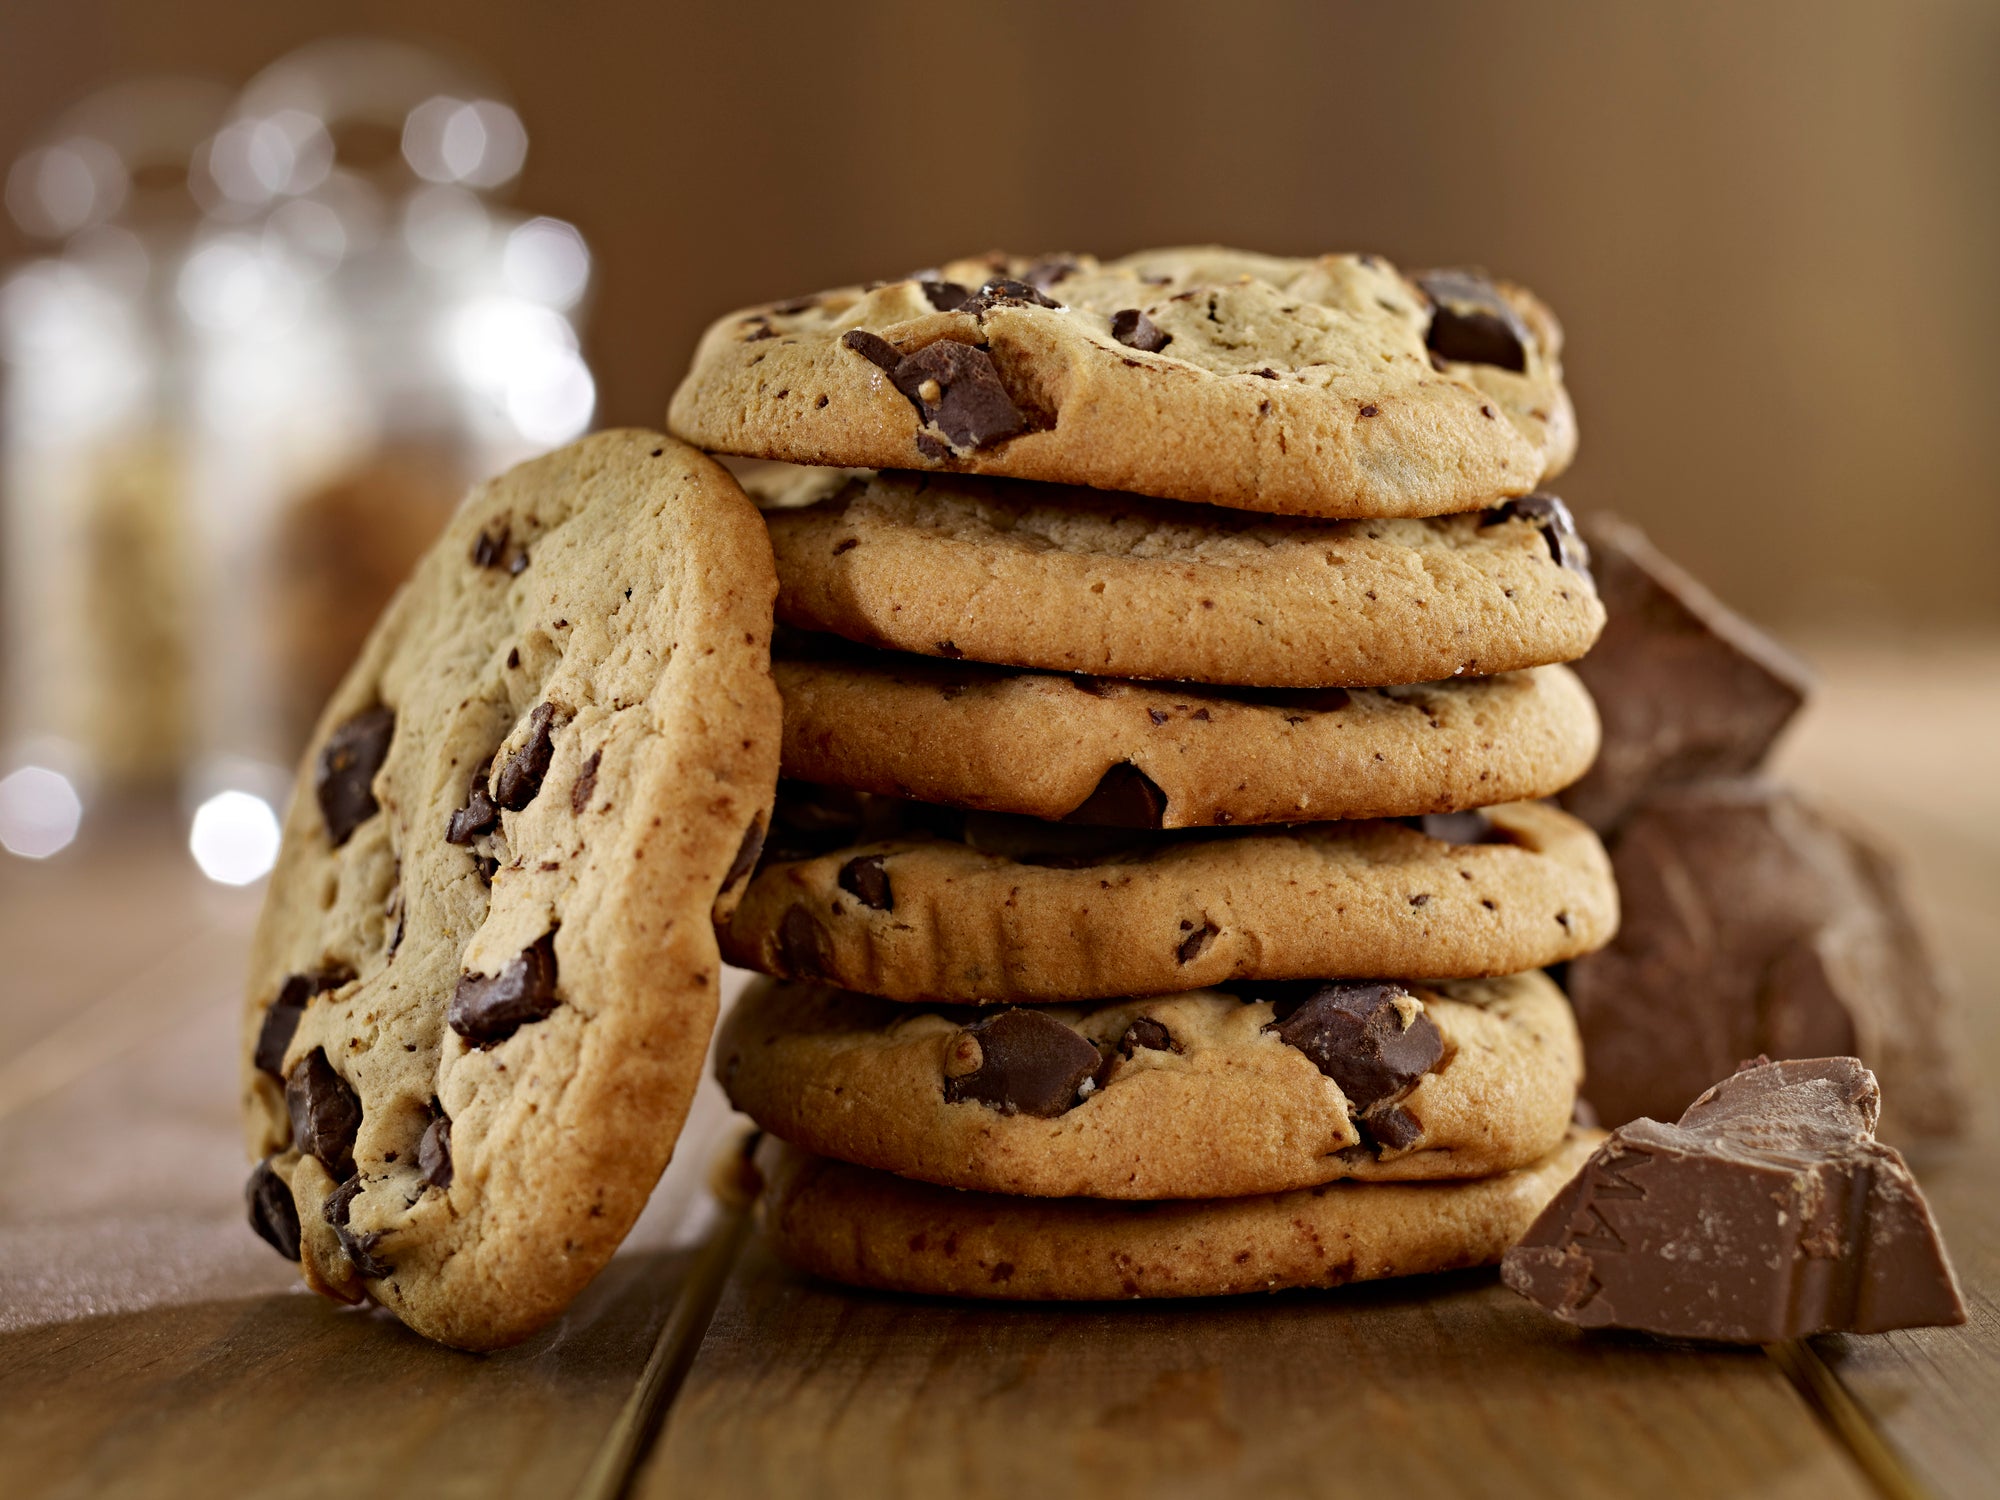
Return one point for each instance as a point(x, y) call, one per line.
point(281, 1021)
point(1686, 687)
point(1769, 1212)
point(1759, 925)
point(521, 774)
point(1029, 1064)
point(325, 1111)
point(1369, 1036)
point(1135, 330)
point(487, 1009)
point(344, 778)
point(1124, 797)
point(359, 1244)
point(955, 388)
point(1471, 323)
point(273, 1213)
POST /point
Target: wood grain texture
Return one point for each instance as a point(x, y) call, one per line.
point(1447, 1385)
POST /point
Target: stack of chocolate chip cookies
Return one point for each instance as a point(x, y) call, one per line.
point(1171, 658)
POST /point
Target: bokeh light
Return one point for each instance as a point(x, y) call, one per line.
point(40, 812)
point(234, 838)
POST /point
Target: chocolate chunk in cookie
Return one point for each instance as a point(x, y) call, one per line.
point(479, 815)
point(1369, 1037)
point(281, 1021)
point(273, 1213)
point(1135, 330)
point(957, 390)
point(1019, 1062)
point(1558, 527)
point(1125, 797)
point(326, 1113)
point(521, 774)
point(865, 879)
point(1471, 323)
point(946, 296)
point(345, 775)
point(489, 1008)
point(358, 1244)
point(434, 1149)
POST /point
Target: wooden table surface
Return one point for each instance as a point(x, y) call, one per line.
point(150, 1345)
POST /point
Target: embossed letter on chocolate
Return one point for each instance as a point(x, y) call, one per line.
point(1769, 1212)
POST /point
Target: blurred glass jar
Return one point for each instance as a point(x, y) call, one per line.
point(99, 581)
point(371, 333)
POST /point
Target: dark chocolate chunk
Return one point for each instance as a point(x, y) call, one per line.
point(345, 776)
point(489, 549)
point(486, 866)
point(1051, 269)
point(521, 776)
point(1472, 827)
point(1125, 797)
point(1354, 1032)
point(585, 783)
point(746, 852)
point(804, 947)
point(1135, 330)
point(281, 1021)
point(1558, 528)
point(1760, 925)
point(1195, 943)
point(434, 1149)
point(325, 1111)
point(487, 1009)
point(955, 388)
point(1769, 1212)
point(1004, 291)
point(945, 295)
point(1391, 1128)
point(865, 879)
point(1148, 1034)
point(476, 817)
point(872, 347)
point(1028, 1063)
point(358, 1244)
point(273, 1213)
point(1471, 323)
point(1686, 687)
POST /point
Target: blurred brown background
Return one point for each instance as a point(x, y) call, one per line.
point(1770, 228)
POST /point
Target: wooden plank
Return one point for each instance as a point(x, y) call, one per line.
point(1449, 1385)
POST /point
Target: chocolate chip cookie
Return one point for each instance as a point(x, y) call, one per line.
point(990, 908)
point(1075, 580)
point(874, 1229)
point(1333, 386)
point(1200, 1095)
point(485, 975)
point(1104, 750)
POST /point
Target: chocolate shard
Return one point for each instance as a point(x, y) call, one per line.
point(1028, 1063)
point(1369, 1036)
point(1769, 1212)
point(325, 1111)
point(477, 816)
point(1471, 323)
point(281, 1020)
point(1686, 687)
point(273, 1213)
point(1390, 1128)
point(585, 783)
point(1557, 524)
point(864, 878)
point(345, 776)
point(434, 1149)
point(1135, 330)
point(487, 1009)
point(359, 1244)
point(1761, 926)
point(1124, 797)
point(872, 347)
point(521, 774)
point(956, 389)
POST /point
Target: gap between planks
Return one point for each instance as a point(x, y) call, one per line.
point(1844, 1420)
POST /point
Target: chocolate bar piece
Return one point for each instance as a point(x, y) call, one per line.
point(1754, 924)
point(1686, 687)
point(1769, 1212)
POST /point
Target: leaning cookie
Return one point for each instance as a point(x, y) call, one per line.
point(1100, 750)
point(1327, 387)
point(1082, 581)
point(1201, 1095)
point(873, 1229)
point(1037, 912)
point(484, 980)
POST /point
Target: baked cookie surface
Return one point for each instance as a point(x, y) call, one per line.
point(485, 975)
point(1105, 750)
point(1201, 1095)
point(989, 908)
point(1076, 580)
point(1333, 386)
point(873, 1229)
